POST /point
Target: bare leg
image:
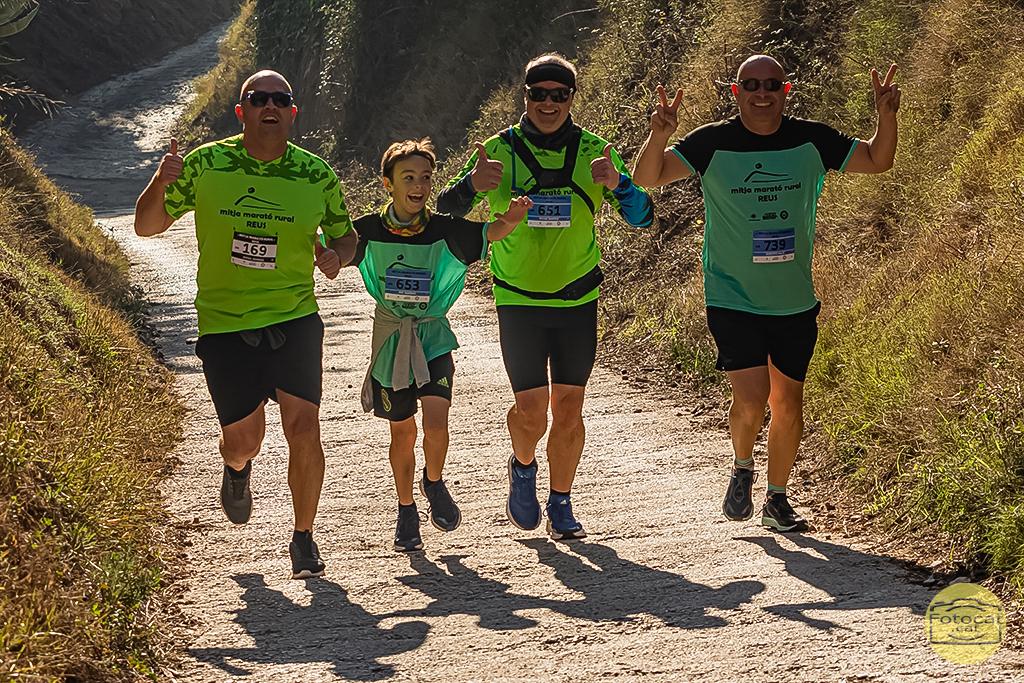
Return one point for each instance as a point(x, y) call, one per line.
point(750, 389)
point(301, 422)
point(435, 434)
point(240, 441)
point(527, 422)
point(786, 427)
point(565, 442)
point(403, 457)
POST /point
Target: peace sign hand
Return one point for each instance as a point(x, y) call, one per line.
point(887, 93)
point(664, 119)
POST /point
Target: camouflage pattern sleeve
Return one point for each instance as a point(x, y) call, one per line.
point(336, 221)
point(180, 196)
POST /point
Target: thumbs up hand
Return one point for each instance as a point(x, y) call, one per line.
point(603, 170)
point(326, 260)
point(170, 166)
point(487, 173)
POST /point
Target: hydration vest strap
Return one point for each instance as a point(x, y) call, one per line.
point(548, 178)
point(576, 289)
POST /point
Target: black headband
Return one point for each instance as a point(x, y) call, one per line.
point(551, 71)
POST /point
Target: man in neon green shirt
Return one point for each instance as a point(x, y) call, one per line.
point(761, 174)
point(259, 202)
point(546, 276)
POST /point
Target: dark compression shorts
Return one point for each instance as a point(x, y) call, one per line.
point(531, 336)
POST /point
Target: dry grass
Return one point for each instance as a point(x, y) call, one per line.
point(86, 421)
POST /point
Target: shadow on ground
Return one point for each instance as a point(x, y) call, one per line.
point(331, 629)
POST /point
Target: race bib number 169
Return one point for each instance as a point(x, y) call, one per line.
point(254, 251)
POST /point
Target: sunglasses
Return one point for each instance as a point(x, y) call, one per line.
point(755, 84)
point(259, 98)
point(539, 94)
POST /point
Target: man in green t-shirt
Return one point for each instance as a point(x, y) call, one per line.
point(259, 202)
point(761, 174)
point(546, 276)
point(413, 263)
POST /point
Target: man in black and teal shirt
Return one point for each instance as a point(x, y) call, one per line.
point(546, 276)
point(761, 174)
point(413, 264)
point(259, 202)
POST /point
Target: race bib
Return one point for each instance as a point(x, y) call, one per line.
point(774, 246)
point(254, 251)
point(550, 211)
point(406, 284)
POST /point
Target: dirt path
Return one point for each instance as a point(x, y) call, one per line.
point(664, 589)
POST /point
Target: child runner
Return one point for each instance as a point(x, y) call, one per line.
point(414, 263)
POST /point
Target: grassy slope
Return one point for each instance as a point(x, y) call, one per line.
point(86, 421)
point(915, 391)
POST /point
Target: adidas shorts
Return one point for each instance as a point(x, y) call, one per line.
point(401, 405)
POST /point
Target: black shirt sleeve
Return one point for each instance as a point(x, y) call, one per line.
point(457, 200)
point(365, 227)
point(699, 145)
point(465, 239)
point(833, 147)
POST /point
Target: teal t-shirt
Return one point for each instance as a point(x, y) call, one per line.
point(556, 243)
point(420, 276)
point(761, 200)
point(256, 223)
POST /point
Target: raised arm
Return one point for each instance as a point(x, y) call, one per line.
point(657, 164)
point(480, 174)
point(877, 154)
point(151, 218)
point(504, 223)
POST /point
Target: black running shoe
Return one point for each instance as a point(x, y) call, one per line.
point(235, 497)
point(738, 505)
point(306, 562)
point(407, 531)
point(778, 514)
point(443, 512)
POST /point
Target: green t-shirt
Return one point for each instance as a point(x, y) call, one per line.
point(563, 247)
point(761, 200)
point(419, 276)
point(256, 224)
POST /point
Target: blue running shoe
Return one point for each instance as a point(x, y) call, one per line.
point(522, 508)
point(562, 525)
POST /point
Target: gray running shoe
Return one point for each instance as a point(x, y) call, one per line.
point(407, 531)
point(443, 512)
point(778, 514)
point(738, 504)
point(305, 554)
point(235, 496)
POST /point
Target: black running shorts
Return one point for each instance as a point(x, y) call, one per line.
point(748, 340)
point(533, 335)
point(401, 405)
point(241, 377)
